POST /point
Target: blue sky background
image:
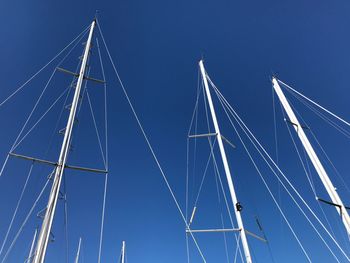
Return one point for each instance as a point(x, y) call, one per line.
point(156, 46)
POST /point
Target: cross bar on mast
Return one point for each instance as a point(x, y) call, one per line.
point(41, 246)
point(331, 190)
point(238, 215)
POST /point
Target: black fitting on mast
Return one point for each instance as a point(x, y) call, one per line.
point(239, 207)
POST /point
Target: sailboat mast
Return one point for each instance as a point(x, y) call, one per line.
point(331, 190)
point(45, 231)
point(123, 252)
point(226, 167)
point(78, 252)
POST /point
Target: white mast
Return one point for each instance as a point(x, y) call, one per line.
point(123, 252)
point(78, 252)
point(313, 157)
point(226, 167)
point(45, 231)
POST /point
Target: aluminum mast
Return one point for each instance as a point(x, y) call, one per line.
point(123, 252)
point(226, 167)
point(331, 190)
point(78, 252)
point(45, 231)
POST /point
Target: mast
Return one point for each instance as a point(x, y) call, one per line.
point(78, 252)
point(331, 190)
point(45, 231)
point(226, 167)
point(123, 252)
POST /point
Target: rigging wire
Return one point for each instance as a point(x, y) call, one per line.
point(149, 144)
point(61, 113)
point(307, 172)
point(313, 102)
point(204, 174)
point(26, 219)
point(345, 132)
point(38, 121)
point(106, 151)
point(237, 247)
point(322, 149)
point(262, 150)
point(17, 206)
point(300, 158)
point(41, 69)
point(186, 200)
point(96, 129)
point(266, 185)
point(37, 102)
point(330, 161)
point(195, 112)
point(217, 170)
point(221, 217)
point(276, 150)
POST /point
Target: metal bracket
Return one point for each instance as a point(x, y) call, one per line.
point(330, 203)
point(296, 125)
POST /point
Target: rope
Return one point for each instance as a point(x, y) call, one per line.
point(149, 144)
point(256, 143)
point(25, 220)
point(54, 58)
point(17, 206)
point(313, 102)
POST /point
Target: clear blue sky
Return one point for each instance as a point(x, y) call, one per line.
point(156, 46)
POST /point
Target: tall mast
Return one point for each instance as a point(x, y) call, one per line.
point(45, 231)
point(331, 190)
point(226, 167)
point(123, 252)
point(78, 252)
